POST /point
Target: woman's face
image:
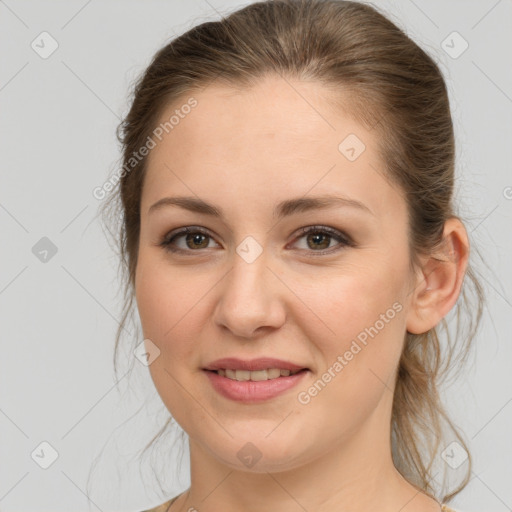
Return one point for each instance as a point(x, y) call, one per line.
point(251, 285)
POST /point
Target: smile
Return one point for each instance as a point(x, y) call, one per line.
point(258, 375)
point(253, 386)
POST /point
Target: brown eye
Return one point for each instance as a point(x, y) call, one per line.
point(194, 239)
point(319, 239)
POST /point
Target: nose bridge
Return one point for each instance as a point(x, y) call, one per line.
point(249, 276)
point(249, 297)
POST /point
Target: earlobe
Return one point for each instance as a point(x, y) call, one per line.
point(440, 279)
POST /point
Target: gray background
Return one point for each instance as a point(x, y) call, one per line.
point(58, 317)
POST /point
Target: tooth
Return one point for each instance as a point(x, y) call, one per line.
point(273, 373)
point(259, 375)
point(243, 374)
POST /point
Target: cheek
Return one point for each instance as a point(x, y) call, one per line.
point(344, 302)
point(359, 358)
point(359, 316)
point(166, 310)
point(164, 296)
point(171, 306)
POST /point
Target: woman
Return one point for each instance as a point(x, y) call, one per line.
point(291, 241)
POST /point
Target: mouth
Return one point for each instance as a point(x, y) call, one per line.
point(256, 375)
point(254, 386)
point(254, 380)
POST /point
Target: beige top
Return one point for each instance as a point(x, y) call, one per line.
point(165, 506)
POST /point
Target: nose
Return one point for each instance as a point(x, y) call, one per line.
point(251, 300)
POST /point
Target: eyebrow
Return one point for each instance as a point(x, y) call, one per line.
point(283, 209)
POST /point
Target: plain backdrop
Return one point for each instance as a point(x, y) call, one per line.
point(60, 403)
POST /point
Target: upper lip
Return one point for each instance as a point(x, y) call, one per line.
point(262, 363)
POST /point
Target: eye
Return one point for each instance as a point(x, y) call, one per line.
point(319, 239)
point(194, 238)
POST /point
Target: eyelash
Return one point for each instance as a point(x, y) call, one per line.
point(343, 239)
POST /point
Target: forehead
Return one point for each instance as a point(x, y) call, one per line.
point(274, 113)
point(278, 138)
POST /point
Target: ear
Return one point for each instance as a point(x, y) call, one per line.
point(439, 281)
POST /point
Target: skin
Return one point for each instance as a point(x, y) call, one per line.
point(245, 151)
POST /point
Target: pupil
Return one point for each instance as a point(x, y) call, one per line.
point(318, 237)
point(196, 239)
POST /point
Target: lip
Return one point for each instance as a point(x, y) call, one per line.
point(253, 391)
point(261, 363)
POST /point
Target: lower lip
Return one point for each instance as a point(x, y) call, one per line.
point(249, 391)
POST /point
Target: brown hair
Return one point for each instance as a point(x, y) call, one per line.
point(395, 88)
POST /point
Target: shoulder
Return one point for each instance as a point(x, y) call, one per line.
point(164, 507)
point(446, 508)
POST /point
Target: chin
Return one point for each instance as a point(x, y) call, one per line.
point(260, 452)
